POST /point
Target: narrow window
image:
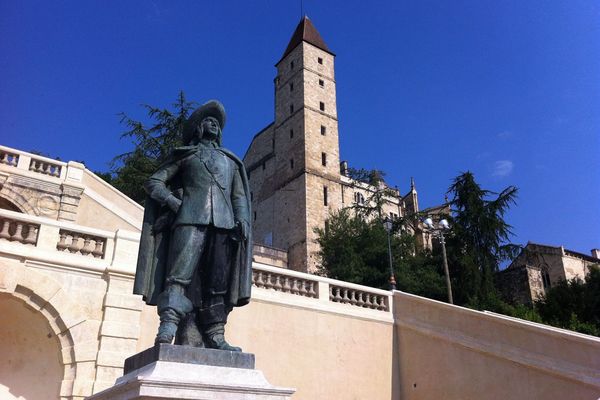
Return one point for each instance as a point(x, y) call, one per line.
point(264, 165)
point(324, 159)
point(291, 108)
point(291, 87)
point(273, 143)
point(291, 133)
point(323, 130)
point(324, 195)
point(292, 65)
point(359, 198)
point(255, 215)
point(320, 60)
point(321, 82)
point(322, 106)
point(251, 196)
point(291, 163)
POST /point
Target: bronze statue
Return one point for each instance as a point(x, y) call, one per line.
point(195, 258)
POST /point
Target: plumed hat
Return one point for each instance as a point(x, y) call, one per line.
point(212, 108)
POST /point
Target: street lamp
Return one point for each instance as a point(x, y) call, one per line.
point(438, 231)
point(387, 224)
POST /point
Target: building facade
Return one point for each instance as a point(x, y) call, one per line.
point(539, 267)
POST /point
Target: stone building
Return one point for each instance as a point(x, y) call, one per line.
point(539, 267)
point(294, 167)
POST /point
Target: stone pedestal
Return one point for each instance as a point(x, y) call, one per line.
point(181, 372)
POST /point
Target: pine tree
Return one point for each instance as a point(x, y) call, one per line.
point(479, 240)
point(152, 143)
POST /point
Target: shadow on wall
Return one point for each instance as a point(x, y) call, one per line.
point(30, 367)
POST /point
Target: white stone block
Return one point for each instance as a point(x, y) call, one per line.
point(170, 380)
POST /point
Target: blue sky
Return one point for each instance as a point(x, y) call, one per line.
point(507, 89)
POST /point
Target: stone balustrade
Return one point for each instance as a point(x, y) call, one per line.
point(64, 243)
point(45, 167)
point(284, 283)
point(359, 298)
point(9, 158)
point(21, 160)
point(18, 231)
point(319, 289)
point(80, 243)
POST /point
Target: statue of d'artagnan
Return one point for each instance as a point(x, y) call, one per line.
point(195, 255)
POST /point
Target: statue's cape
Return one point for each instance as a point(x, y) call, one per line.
point(154, 244)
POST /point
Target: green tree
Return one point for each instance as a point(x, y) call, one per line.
point(152, 144)
point(573, 304)
point(479, 240)
point(354, 249)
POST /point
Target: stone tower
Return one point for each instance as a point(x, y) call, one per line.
point(294, 163)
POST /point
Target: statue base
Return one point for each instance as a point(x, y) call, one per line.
point(181, 372)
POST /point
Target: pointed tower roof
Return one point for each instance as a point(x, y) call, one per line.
point(306, 32)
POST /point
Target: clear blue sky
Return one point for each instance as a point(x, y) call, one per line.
point(507, 89)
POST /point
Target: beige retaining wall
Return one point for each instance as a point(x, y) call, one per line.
point(449, 352)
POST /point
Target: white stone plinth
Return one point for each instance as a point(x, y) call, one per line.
point(172, 380)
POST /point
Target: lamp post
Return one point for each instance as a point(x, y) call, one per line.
point(438, 231)
point(387, 224)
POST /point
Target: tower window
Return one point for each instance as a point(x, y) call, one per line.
point(324, 159)
point(255, 215)
point(323, 130)
point(273, 143)
point(291, 87)
point(321, 82)
point(322, 106)
point(291, 108)
point(359, 198)
point(291, 163)
point(324, 195)
point(291, 133)
point(264, 165)
point(292, 65)
point(251, 196)
point(320, 60)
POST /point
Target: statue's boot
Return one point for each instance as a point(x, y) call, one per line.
point(214, 338)
point(172, 306)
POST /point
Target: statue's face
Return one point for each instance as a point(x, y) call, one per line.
point(209, 128)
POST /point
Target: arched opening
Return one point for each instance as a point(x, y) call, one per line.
point(31, 368)
point(8, 205)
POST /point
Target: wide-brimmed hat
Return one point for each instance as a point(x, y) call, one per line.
point(212, 108)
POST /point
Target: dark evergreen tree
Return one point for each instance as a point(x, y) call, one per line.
point(479, 240)
point(153, 143)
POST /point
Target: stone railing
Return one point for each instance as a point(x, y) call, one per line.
point(359, 298)
point(21, 160)
point(282, 281)
point(64, 243)
point(45, 167)
point(80, 243)
point(9, 158)
point(16, 230)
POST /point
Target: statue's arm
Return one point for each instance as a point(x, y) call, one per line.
point(239, 202)
point(156, 186)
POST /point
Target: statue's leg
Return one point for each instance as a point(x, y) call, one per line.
point(185, 249)
point(215, 274)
